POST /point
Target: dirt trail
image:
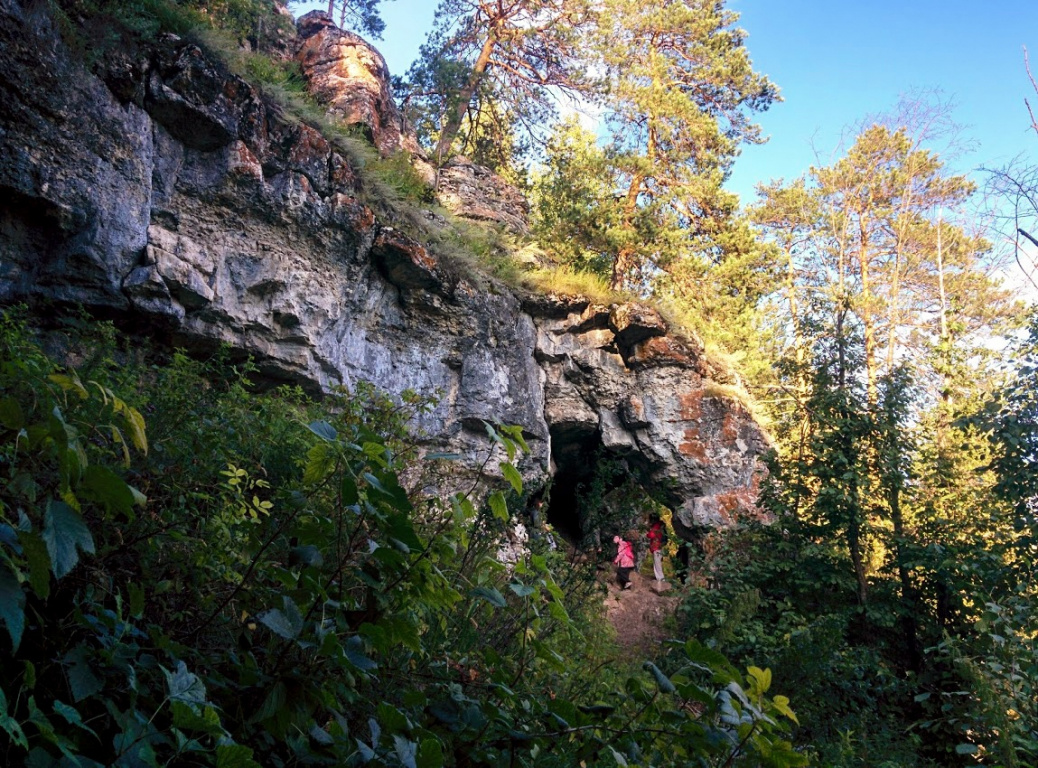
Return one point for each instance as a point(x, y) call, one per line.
point(640, 614)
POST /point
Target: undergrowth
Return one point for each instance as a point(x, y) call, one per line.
point(196, 573)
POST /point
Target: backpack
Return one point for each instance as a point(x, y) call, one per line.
point(661, 529)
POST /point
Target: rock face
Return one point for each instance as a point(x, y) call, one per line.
point(166, 192)
point(477, 193)
point(350, 77)
point(614, 378)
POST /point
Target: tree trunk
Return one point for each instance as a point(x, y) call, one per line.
point(867, 320)
point(626, 261)
point(908, 598)
point(623, 266)
point(450, 130)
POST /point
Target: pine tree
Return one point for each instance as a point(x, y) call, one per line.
point(881, 222)
point(361, 15)
point(515, 54)
point(574, 204)
point(681, 87)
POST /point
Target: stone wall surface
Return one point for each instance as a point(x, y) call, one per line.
point(159, 188)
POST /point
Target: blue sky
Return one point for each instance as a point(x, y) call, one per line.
point(838, 62)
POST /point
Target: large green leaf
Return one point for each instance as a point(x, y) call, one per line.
point(323, 430)
point(319, 461)
point(354, 648)
point(35, 551)
point(234, 756)
point(103, 486)
point(81, 678)
point(287, 623)
point(662, 681)
point(781, 704)
point(184, 685)
point(491, 595)
point(135, 425)
point(762, 677)
point(65, 532)
point(512, 476)
point(401, 528)
point(430, 754)
point(70, 382)
point(406, 751)
point(12, 605)
point(498, 506)
point(190, 717)
point(11, 415)
point(523, 590)
point(72, 716)
point(10, 725)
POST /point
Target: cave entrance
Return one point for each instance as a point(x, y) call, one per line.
point(574, 453)
point(593, 490)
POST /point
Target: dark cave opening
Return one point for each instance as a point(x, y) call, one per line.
point(596, 493)
point(585, 472)
point(574, 454)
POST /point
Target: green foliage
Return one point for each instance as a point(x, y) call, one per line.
point(1015, 430)
point(361, 15)
point(877, 233)
point(893, 588)
point(250, 582)
point(95, 27)
point(675, 129)
point(574, 203)
point(493, 71)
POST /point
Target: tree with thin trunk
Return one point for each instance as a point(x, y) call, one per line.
point(910, 266)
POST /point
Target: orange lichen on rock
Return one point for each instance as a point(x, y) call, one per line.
point(242, 162)
point(729, 429)
point(661, 351)
point(691, 405)
point(693, 446)
point(309, 144)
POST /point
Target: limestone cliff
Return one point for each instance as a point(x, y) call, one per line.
point(160, 189)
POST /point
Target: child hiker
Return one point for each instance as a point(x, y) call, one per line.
point(624, 561)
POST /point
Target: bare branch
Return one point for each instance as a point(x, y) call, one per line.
point(1027, 66)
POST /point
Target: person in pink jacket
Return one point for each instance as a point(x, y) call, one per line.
point(624, 562)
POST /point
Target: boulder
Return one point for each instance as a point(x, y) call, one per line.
point(349, 76)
